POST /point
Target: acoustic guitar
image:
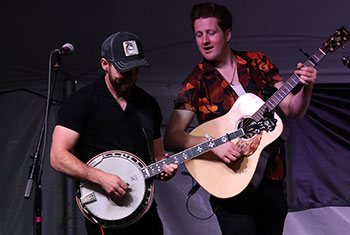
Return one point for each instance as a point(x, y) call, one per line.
point(227, 180)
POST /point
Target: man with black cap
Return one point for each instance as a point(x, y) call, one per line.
point(112, 113)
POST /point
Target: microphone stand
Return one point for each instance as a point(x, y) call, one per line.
point(35, 171)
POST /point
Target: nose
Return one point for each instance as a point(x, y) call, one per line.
point(205, 39)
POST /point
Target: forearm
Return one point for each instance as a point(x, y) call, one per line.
point(300, 103)
point(177, 140)
point(66, 163)
point(158, 148)
point(295, 106)
point(62, 160)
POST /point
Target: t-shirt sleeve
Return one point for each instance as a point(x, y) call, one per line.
point(72, 113)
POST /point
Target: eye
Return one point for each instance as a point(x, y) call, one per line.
point(128, 73)
point(198, 34)
point(211, 32)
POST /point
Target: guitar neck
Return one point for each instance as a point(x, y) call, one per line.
point(287, 87)
point(181, 157)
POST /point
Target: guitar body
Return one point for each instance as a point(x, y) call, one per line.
point(116, 213)
point(227, 180)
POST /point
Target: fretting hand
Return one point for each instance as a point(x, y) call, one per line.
point(307, 75)
point(169, 170)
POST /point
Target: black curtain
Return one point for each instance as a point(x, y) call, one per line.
point(318, 151)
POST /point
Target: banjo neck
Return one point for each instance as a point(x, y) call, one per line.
point(178, 158)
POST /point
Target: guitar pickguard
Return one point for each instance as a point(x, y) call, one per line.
point(249, 146)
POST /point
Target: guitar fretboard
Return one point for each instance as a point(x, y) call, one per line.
point(287, 87)
point(181, 157)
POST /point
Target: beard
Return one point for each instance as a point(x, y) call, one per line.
point(122, 86)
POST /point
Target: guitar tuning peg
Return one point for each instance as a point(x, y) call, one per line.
point(346, 61)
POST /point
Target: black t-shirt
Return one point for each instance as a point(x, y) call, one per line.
point(103, 125)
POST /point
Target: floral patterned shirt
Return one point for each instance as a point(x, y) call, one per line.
point(208, 94)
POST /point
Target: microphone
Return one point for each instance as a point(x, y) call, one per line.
point(66, 49)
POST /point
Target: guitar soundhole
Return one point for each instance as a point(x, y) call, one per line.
point(243, 123)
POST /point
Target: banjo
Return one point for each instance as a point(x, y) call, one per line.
point(100, 209)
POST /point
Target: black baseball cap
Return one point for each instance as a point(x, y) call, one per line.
point(124, 50)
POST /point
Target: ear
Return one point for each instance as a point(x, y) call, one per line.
point(104, 64)
point(228, 35)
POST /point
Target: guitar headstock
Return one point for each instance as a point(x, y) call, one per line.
point(336, 40)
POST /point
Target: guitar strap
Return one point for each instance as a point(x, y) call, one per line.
point(147, 129)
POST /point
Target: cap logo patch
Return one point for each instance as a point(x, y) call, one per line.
point(130, 48)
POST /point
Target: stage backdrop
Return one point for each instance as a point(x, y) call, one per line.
point(318, 179)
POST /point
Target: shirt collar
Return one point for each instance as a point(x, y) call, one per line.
point(207, 66)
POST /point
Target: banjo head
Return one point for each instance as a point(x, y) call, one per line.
point(109, 212)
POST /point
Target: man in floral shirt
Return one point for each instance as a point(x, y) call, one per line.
point(210, 91)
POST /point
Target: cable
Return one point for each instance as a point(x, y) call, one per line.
point(192, 191)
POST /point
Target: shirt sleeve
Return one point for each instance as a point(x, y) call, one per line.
point(269, 72)
point(187, 94)
point(72, 113)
